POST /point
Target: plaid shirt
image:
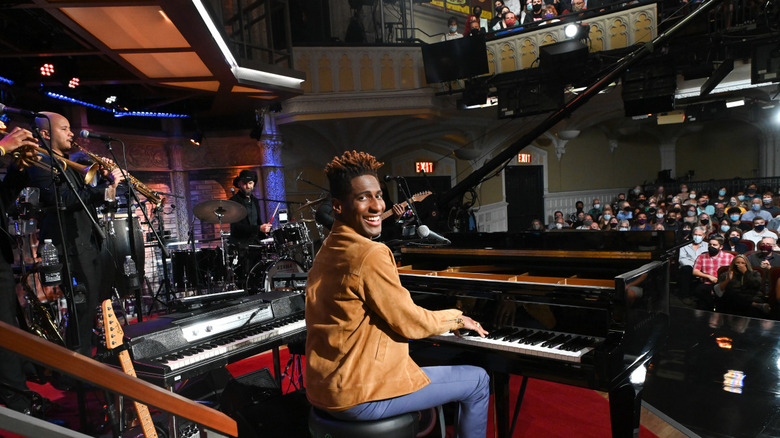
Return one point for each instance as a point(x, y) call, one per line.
point(709, 265)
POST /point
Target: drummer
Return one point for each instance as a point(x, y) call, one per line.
point(249, 230)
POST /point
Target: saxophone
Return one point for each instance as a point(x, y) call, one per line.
point(142, 188)
point(42, 324)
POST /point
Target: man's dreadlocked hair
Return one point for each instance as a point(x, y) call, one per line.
point(341, 170)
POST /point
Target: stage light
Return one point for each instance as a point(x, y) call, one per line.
point(735, 103)
point(47, 69)
point(196, 138)
point(577, 31)
point(73, 83)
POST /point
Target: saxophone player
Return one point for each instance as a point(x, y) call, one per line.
point(90, 264)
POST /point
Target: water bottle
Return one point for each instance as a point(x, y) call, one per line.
point(50, 264)
point(131, 272)
point(130, 266)
point(49, 254)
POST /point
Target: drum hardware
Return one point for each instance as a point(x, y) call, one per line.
point(312, 203)
point(219, 211)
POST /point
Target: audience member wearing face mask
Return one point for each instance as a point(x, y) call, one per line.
point(706, 268)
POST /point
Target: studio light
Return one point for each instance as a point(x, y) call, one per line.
point(47, 69)
point(196, 138)
point(73, 83)
point(577, 31)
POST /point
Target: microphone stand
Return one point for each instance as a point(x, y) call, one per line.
point(73, 341)
point(163, 251)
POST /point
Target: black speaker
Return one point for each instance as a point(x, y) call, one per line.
point(256, 402)
point(247, 390)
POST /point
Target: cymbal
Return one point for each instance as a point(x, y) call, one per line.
point(216, 209)
point(310, 203)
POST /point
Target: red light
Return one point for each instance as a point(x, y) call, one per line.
point(73, 83)
point(47, 69)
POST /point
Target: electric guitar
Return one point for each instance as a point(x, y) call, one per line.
point(416, 198)
point(113, 336)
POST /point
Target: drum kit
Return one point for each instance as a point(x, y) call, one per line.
point(289, 249)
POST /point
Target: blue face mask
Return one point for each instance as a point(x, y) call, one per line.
point(453, 29)
point(756, 207)
point(607, 217)
point(725, 228)
point(529, 7)
point(741, 197)
point(722, 192)
point(734, 217)
point(697, 239)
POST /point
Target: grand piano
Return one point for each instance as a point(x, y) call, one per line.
point(581, 308)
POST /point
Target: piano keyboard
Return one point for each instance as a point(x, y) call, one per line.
point(231, 344)
point(530, 342)
point(179, 346)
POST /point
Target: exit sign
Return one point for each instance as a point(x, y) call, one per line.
point(423, 166)
point(523, 158)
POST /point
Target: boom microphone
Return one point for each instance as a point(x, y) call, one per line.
point(86, 134)
point(17, 112)
point(424, 232)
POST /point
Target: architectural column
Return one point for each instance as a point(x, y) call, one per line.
point(769, 155)
point(668, 150)
point(180, 180)
point(271, 178)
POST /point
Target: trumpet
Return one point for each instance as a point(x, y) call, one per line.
point(142, 188)
point(89, 170)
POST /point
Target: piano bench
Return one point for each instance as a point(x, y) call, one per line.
point(322, 425)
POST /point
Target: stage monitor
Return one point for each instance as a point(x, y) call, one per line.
point(461, 58)
point(765, 64)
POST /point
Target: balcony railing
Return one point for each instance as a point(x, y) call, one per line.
point(350, 69)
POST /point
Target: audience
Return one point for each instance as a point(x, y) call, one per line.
point(536, 12)
point(758, 232)
point(706, 268)
point(714, 231)
point(739, 290)
point(452, 27)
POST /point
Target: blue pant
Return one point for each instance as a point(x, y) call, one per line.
point(467, 385)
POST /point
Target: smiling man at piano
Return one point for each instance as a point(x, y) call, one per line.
point(359, 319)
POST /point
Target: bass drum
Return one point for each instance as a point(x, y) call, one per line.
point(118, 244)
point(261, 276)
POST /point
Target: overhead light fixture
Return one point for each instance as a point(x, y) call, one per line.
point(735, 103)
point(47, 69)
point(196, 138)
point(490, 101)
point(257, 130)
point(577, 31)
point(110, 99)
point(73, 83)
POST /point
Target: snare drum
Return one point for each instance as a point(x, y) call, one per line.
point(261, 276)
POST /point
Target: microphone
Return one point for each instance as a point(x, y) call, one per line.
point(17, 112)
point(424, 232)
point(391, 178)
point(298, 178)
point(86, 134)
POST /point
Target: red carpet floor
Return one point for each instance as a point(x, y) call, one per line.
point(549, 410)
